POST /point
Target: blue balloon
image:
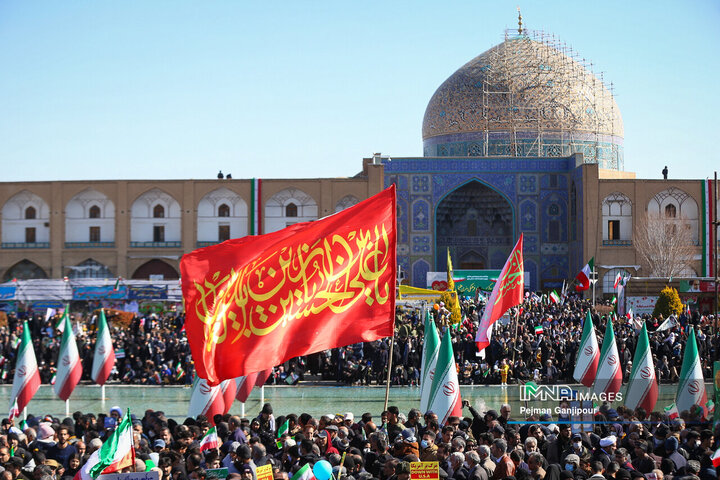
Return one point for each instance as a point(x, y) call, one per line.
point(322, 470)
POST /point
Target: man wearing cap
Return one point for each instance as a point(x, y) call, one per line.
point(324, 442)
point(605, 453)
point(576, 447)
point(394, 426)
point(572, 463)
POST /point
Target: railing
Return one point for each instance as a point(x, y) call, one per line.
point(25, 245)
point(155, 244)
point(89, 244)
point(617, 243)
point(206, 244)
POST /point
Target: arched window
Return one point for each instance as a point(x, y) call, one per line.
point(94, 212)
point(670, 211)
point(223, 211)
point(291, 210)
point(30, 213)
point(158, 211)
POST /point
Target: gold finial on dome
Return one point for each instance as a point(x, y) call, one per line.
point(520, 29)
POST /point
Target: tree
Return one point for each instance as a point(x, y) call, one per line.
point(668, 303)
point(665, 244)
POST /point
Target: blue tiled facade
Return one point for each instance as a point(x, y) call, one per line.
point(536, 193)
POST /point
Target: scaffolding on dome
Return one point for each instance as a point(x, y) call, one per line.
point(534, 77)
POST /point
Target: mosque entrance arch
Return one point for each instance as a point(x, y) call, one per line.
point(476, 223)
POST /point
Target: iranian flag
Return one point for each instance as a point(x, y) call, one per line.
point(609, 375)
point(431, 348)
point(305, 473)
point(209, 440)
point(554, 297)
point(229, 390)
point(583, 278)
point(588, 354)
point(445, 395)
point(115, 454)
point(538, 330)
point(691, 389)
point(246, 383)
point(206, 400)
point(507, 292)
point(618, 279)
point(716, 458)
point(69, 368)
point(671, 411)
point(104, 358)
point(642, 390)
point(27, 376)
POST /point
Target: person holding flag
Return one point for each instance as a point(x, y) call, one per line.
point(115, 454)
point(453, 303)
point(27, 376)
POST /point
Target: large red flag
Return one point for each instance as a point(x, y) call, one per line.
point(262, 300)
point(507, 292)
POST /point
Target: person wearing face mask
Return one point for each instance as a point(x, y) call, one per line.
point(428, 449)
point(572, 464)
point(576, 447)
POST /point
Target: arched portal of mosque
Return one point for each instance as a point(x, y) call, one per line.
point(476, 223)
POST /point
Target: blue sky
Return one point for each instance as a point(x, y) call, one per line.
point(291, 89)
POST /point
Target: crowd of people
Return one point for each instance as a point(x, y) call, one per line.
point(153, 349)
point(487, 445)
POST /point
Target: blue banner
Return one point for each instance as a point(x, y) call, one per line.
point(99, 293)
point(147, 292)
point(7, 292)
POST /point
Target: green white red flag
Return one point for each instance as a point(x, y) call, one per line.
point(305, 473)
point(69, 368)
point(115, 454)
point(609, 375)
point(671, 411)
point(445, 398)
point(716, 458)
point(206, 400)
point(642, 390)
point(431, 348)
point(209, 440)
point(583, 278)
point(507, 292)
point(554, 297)
point(104, 358)
point(539, 330)
point(246, 383)
point(588, 354)
point(691, 389)
point(27, 377)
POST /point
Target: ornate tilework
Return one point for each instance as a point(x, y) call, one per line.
point(528, 184)
point(420, 184)
point(421, 216)
point(528, 215)
point(421, 244)
point(419, 273)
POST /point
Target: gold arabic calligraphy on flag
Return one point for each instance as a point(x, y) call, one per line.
point(512, 277)
point(330, 275)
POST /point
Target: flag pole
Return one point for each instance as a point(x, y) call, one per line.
point(25, 413)
point(517, 323)
point(102, 395)
point(390, 361)
point(242, 410)
point(67, 407)
point(262, 394)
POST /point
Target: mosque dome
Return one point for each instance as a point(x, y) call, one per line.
point(526, 97)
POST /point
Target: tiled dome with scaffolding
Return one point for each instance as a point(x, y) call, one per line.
point(529, 96)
